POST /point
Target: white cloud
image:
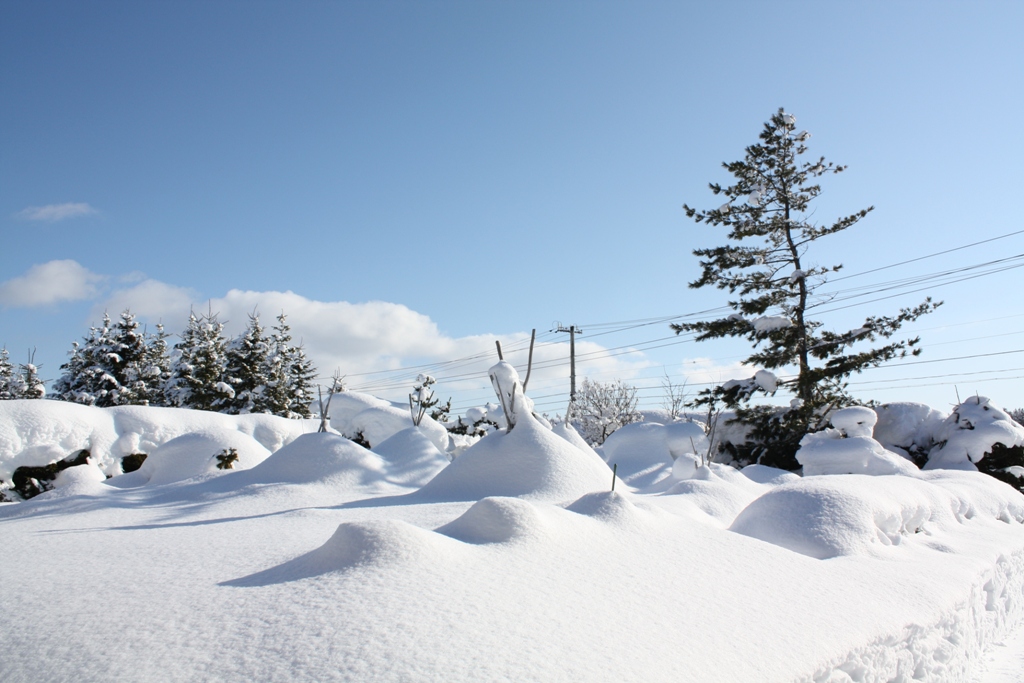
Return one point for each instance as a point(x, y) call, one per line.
point(50, 283)
point(51, 213)
point(354, 337)
point(379, 336)
point(151, 300)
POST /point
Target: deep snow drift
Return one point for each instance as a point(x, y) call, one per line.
point(316, 559)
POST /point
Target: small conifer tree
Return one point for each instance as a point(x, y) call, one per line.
point(86, 378)
point(290, 375)
point(155, 370)
point(27, 382)
point(765, 266)
point(247, 364)
point(7, 388)
point(197, 375)
point(128, 364)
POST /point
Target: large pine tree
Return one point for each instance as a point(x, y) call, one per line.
point(766, 268)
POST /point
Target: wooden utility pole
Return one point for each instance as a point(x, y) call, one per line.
point(573, 331)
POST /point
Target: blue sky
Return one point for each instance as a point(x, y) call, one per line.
point(410, 181)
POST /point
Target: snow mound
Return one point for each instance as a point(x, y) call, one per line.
point(569, 433)
point(762, 474)
point(979, 496)
point(720, 491)
point(530, 461)
point(38, 432)
point(685, 438)
point(194, 455)
point(320, 457)
point(356, 544)
point(640, 452)
point(411, 457)
point(611, 507)
point(79, 475)
point(377, 420)
point(498, 520)
point(970, 432)
point(833, 516)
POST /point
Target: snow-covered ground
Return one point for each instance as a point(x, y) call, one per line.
point(324, 561)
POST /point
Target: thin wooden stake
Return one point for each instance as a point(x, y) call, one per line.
point(529, 362)
point(498, 344)
point(615, 468)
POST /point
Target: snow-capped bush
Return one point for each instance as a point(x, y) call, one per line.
point(978, 435)
point(969, 433)
point(848, 448)
point(908, 429)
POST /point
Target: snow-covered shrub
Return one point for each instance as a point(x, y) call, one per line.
point(849, 448)
point(478, 421)
point(908, 429)
point(978, 435)
point(422, 399)
point(132, 462)
point(602, 407)
point(1017, 414)
point(227, 458)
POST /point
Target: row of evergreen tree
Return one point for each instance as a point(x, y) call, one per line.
point(121, 364)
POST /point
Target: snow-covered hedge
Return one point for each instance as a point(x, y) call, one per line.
point(37, 432)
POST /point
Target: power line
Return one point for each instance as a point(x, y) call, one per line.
point(928, 256)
